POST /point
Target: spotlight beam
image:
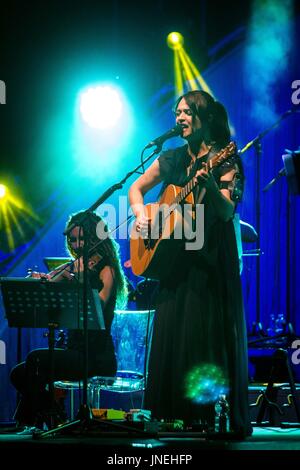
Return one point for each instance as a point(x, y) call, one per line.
point(186, 68)
point(178, 74)
point(197, 74)
point(7, 227)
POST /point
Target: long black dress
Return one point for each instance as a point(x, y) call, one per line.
point(199, 345)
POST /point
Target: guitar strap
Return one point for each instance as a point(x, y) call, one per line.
point(192, 171)
point(235, 186)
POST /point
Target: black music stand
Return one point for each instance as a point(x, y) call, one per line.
point(34, 303)
point(37, 303)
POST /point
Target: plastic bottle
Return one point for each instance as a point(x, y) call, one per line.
point(222, 415)
point(280, 324)
point(272, 325)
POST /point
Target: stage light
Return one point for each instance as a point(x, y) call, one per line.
point(103, 124)
point(175, 40)
point(101, 106)
point(17, 219)
point(3, 191)
point(187, 76)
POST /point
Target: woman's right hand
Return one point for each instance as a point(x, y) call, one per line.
point(53, 276)
point(142, 223)
point(37, 275)
point(56, 275)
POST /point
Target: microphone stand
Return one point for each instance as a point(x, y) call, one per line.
point(256, 143)
point(111, 190)
point(85, 415)
point(85, 412)
point(268, 129)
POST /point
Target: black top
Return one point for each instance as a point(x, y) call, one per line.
point(174, 163)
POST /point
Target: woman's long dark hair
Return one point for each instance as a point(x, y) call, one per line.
point(214, 115)
point(210, 112)
point(105, 247)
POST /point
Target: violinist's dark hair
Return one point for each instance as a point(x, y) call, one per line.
point(104, 246)
point(211, 112)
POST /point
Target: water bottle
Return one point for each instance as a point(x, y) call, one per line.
point(272, 325)
point(280, 324)
point(222, 414)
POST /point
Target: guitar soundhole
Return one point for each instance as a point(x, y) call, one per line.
point(147, 242)
point(156, 230)
point(150, 243)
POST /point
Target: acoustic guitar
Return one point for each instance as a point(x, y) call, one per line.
point(172, 222)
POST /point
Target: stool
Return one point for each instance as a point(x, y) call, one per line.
point(94, 387)
point(71, 387)
point(96, 384)
point(124, 382)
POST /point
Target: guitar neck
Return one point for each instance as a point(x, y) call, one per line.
point(185, 191)
point(215, 161)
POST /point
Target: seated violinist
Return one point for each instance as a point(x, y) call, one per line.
point(105, 273)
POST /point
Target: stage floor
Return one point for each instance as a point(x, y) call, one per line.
point(267, 445)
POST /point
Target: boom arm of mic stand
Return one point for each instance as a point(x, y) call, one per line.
point(273, 181)
point(110, 191)
point(256, 143)
point(106, 195)
point(262, 134)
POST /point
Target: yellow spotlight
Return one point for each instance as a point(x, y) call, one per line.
point(17, 220)
point(3, 191)
point(175, 40)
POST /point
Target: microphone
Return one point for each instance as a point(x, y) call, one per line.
point(175, 131)
point(280, 173)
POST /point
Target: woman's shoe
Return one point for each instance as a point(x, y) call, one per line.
point(29, 431)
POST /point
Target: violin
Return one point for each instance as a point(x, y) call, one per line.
point(63, 273)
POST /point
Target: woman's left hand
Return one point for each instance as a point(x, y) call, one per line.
point(205, 178)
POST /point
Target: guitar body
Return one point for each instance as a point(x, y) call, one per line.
point(171, 224)
point(152, 257)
